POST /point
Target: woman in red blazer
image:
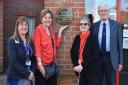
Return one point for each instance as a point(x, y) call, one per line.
point(45, 43)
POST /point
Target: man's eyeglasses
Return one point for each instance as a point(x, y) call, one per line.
point(85, 24)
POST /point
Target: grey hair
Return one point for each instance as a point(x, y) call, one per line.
point(85, 17)
point(103, 5)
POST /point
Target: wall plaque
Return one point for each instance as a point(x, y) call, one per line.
point(64, 16)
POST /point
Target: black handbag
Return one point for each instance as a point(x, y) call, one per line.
point(50, 70)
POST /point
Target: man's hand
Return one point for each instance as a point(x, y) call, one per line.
point(120, 67)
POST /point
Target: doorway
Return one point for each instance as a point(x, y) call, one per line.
point(14, 9)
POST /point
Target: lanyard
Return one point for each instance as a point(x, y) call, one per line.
point(28, 50)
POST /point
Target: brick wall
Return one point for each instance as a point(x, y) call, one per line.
point(13, 9)
point(66, 73)
point(1, 36)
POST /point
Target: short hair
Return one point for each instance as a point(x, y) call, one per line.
point(16, 35)
point(44, 12)
point(103, 5)
point(85, 17)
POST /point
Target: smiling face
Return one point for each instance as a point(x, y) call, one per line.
point(23, 28)
point(103, 12)
point(47, 20)
point(83, 25)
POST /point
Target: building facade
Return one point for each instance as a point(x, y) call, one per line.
point(1, 36)
point(10, 10)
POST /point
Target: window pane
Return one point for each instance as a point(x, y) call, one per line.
point(124, 11)
point(31, 22)
point(88, 6)
point(92, 5)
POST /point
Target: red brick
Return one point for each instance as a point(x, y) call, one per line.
point(67, 61)
point(13, 9)
point(1, 36)
point(63, 55)
point(21, 7)
point(67, 48)
point(68, 4)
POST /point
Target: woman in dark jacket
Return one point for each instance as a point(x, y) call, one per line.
point(85, 53)
point(20, 55)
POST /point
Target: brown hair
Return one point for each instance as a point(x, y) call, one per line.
point(16, 35)
point(44, 12)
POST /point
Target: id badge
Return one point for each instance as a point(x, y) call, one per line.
point(28, 63)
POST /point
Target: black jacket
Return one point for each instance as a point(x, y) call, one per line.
point(91, 54)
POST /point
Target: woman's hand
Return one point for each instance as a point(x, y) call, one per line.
point(31, 76)
point(62, 28)
point(41, 68)
point(78, 68)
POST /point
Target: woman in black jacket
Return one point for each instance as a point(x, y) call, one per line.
point(85, 53)
point(20, 55)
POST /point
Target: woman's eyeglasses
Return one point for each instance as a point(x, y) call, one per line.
point(85, 24)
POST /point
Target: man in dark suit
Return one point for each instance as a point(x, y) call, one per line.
point(109, 36)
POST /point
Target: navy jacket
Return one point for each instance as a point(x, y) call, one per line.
point(116, 50)
point(17, 59)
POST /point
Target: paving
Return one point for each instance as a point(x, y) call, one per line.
point(2, 79)
point(123, 79)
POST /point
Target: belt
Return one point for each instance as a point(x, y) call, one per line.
point(105, 53)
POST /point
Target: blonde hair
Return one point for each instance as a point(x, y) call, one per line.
point(16, 35)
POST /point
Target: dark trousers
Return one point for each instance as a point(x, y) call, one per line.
point(19, 82)
point(86, 79)
point(83, 78)
point(107, 70)
point(40, 79)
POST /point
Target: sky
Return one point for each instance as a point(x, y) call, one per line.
point(111, 3)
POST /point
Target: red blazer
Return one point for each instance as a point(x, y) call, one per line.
point(43, 44)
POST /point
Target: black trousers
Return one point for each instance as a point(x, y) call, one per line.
point(107, 70)
point(40, 79)
point(83, 78)
point(89, 79)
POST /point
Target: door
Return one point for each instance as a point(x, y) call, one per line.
point(12, 10)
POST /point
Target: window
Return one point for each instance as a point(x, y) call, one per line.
point(31, 22)
point(92, 5)
point(124, 11)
